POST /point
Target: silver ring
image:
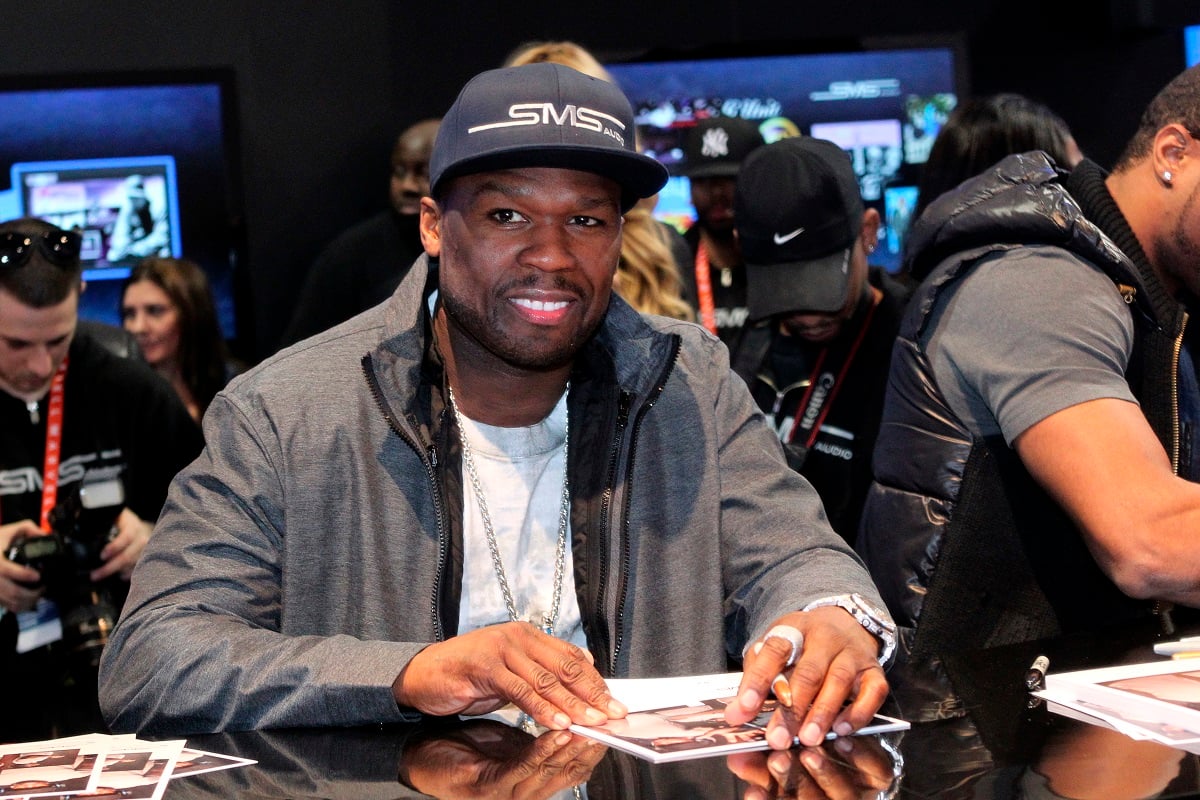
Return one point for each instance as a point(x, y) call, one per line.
point(792, 636)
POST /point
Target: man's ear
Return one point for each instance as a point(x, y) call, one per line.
point(431, 227)
point(869, 235)
point(1170, 149)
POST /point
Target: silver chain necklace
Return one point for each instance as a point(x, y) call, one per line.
point(550, 618)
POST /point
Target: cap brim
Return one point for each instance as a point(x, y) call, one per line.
point(818, 285)
point(638, 175)
point(725, 169)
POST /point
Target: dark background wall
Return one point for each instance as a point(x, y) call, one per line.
point(325, 86)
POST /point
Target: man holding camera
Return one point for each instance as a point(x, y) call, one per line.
point(88, 444)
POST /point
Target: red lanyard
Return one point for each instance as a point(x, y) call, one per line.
point(704, 292)
point(54, 422)
point(813, 408)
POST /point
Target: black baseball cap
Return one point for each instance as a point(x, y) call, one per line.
point(798, 211)
point(543, 115)
point(716, 146)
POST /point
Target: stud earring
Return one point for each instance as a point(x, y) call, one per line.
point(1167, 177)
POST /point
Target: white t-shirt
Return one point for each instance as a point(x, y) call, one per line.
point(521, 474)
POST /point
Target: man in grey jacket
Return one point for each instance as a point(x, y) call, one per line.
point(390, 519)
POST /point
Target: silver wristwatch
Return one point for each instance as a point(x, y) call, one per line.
point(877, 621)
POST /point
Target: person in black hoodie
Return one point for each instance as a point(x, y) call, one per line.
point(364, 264)
point(716, 278)
point(823, 321)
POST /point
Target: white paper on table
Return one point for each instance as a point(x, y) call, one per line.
point(69, 765)
point(1063, 703)
point(195, 762)
point(639, 694)
point(141, 768)
point(672, 719)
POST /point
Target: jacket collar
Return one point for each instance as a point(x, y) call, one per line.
point(1087, 185)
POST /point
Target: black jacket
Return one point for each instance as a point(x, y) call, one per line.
point(962, 542)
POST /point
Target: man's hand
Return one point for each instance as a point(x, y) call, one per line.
point(486, 759)
point(121, 555)
point(478, 672)
point(838, 662)
point(16, 579)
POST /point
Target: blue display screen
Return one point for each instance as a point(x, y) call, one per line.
point(140, 164)
point(884, 107)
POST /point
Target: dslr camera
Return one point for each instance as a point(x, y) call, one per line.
point(81, 525)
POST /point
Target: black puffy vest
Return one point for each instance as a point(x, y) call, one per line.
point(963, 544)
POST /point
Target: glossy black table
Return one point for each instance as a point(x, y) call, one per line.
point(976, 733)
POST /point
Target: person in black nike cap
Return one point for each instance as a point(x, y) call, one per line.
point(822, 322)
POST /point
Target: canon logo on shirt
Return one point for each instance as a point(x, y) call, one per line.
point(547, 114)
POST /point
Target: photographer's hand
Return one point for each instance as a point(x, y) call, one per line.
point(122, 553)
point(478, 672)
point(15, 579)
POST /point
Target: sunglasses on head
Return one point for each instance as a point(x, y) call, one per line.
point(60, 248)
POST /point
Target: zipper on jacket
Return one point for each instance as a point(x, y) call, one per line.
point(651, 399)
point(1175, 394)
point(1162, 608)
point(429, 462)
point(623, 404)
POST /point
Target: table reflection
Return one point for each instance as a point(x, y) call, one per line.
point(1130, 769)
point(975, 735)
point(978, 733)
point(488, 759)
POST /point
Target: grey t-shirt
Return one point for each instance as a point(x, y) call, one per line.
point(1027, 333)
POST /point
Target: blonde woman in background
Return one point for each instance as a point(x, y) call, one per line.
point(648, 273)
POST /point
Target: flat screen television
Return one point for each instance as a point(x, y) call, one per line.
point(140, 163)
point(1191, 45)
point(883, 106)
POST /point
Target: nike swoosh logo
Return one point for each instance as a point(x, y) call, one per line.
point(787, 237)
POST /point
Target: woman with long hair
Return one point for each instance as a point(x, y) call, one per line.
point(982, 131)
point(167, 304)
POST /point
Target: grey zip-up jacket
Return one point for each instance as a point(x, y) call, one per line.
point(315, 546)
